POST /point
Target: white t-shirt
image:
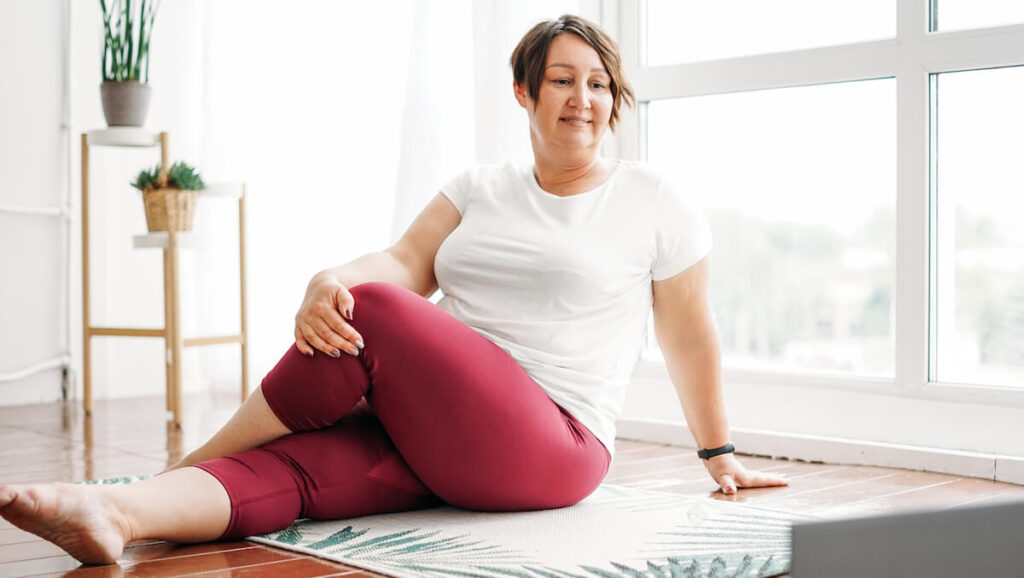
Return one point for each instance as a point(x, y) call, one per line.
point(563, 284)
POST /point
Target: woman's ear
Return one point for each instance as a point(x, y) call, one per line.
point(520, 92)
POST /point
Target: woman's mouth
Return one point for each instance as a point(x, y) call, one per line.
point(575, 121)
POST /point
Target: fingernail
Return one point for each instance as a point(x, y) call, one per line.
point(353, 351)
point(348, 314)
point(359, 343)
point(335, 353)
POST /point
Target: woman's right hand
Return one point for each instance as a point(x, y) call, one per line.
point(321, 320)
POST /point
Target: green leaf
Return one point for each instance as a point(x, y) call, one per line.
point(336, 538)
point(382, 540)
point(184, 177)
point(147, 179)
point(139, 42)
point(289, 535)
point(129, 40)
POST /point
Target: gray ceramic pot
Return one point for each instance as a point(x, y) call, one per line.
point(125, 103)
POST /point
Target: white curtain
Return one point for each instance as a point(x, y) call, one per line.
point(344, 146)
point(459, 108)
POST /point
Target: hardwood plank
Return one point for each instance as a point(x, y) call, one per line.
point(34, 566)
point(849, 485)
point(37, 548)
point(45, 460)
point(217, 560)
point(159, 550)
point(11, 535)
point(623, 446)
point(99, 468)
point(930, 492)
point(293, 567)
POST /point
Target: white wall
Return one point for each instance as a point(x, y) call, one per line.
point(33, 173)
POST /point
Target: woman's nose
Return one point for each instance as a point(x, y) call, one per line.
point(580, 97)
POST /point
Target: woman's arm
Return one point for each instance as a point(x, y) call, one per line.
point(321, 320)
point(688, 338)
point(410, 261)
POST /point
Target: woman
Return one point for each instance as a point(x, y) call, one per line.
point(504, 395)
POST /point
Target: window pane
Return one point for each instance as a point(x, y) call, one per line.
point(979, 272)
point(799, 185)
point(689, 31)
point(960, 14)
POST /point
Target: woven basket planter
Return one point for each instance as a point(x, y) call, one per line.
point(170, 209)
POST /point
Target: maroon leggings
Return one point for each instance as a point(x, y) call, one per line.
point(431, 412)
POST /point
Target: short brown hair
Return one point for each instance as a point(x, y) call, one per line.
point(530, 56)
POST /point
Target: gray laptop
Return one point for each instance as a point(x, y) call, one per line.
point(980, 541)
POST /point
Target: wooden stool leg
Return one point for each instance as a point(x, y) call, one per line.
point(241, 278)
point(175, 323)
point(168, 330)
point(86, 321)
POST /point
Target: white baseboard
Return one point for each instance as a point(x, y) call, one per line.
point(837, 450)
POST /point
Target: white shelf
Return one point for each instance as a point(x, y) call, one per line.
point(123, 136)
point(226, 190)
point(188, 239)
point(159, 240)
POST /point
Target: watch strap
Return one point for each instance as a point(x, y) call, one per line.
point(708, 454)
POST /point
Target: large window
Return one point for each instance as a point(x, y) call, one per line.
point(978, 292)
point(688, 31)
point(857, 163)
point(958, 14)
point(799, 185)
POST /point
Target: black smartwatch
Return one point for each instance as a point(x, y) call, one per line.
point(706, 454)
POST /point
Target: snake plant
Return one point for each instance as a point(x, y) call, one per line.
point(126, 39)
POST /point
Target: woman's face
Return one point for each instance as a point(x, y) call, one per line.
point(574, 102)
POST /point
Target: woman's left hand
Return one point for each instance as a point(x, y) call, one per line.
point(730, 474)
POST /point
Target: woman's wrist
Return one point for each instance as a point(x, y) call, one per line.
point(325, 276)
point(711, 453)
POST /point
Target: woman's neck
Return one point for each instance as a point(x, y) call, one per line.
point(566, 179)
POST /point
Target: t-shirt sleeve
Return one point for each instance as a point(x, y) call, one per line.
point(682, 233)
point(457, 190)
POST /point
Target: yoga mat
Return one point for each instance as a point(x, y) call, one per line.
point(616, 531)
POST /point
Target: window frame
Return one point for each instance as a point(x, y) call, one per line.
point(914, 58)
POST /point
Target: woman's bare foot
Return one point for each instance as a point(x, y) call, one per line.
point(78, 518)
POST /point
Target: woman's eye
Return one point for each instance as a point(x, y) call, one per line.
point(598, 85)
point(562, 81)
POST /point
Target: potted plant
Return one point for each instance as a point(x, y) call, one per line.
point(169, 196)
point(125, 66)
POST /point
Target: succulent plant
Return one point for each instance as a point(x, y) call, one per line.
point(179, 176)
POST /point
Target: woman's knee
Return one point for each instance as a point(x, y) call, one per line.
point(307, 393)
point(391, 312)
point(377, 299)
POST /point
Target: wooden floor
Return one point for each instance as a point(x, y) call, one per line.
point(54, 442)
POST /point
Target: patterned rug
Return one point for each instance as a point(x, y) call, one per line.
point(617, 531)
